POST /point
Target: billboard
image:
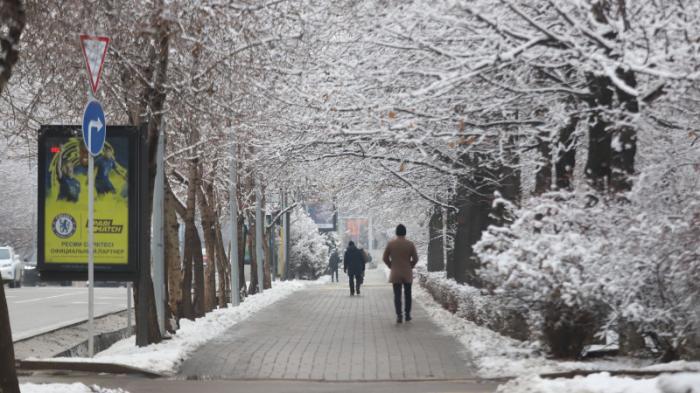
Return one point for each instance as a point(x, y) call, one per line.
point(357, 230)
point(63, 204)
point(324, 215)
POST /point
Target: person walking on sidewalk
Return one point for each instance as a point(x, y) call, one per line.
point(333, 263)
point(354, 266)
point(401, 257)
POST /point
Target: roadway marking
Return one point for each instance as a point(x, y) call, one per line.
point(43, 298)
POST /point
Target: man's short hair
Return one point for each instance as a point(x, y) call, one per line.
point(400, 230)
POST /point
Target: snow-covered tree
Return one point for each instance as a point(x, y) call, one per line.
point(308, 256)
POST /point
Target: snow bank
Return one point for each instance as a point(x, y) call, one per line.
point(605, 383)
point(166, 357)
point(65, 388)
point(498, 356)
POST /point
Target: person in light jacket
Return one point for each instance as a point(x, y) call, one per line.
point(401, 257)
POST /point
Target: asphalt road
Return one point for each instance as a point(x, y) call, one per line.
point(36, 310)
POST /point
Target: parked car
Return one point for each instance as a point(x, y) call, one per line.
point(11, 267)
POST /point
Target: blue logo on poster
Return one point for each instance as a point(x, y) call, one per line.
point(94, 127)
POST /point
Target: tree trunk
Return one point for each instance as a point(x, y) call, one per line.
point(565, 160)
point(8, 375)
point(198, 267)
point(474, 200)
point(471, 219)
point(14, 19)
point(543, 176)
point(267, 252)
point(210, 243)
point(435, 253)
point(253, 287)
point(612, 148)
point(599, 151)
point(242, 244)
point(172, 255)
point(624, 138)
point(151, 113)
point(224, 268)
point(190, 233)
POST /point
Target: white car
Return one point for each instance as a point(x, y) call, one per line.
point(11, 267)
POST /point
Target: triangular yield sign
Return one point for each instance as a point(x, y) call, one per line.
point(94, 52)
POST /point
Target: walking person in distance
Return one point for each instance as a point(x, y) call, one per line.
point(354, 266)
point(333, 263)
point(401, 257)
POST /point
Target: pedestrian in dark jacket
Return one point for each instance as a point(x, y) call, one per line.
point(354, 266)
point(401, 257)
point(333, 263)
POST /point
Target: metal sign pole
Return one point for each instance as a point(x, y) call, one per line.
point(128, 307)
point(444, 237)
point(259, 237)
point(94, 51)
point(233, 202)
point(91, 255)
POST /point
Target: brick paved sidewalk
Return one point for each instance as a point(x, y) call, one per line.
point(322, 333)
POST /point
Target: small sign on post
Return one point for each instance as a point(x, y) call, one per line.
point(94, 52)
point(94, 135)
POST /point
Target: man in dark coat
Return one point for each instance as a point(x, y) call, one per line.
point(401, 257)
point(333, 263)
point(354, 266)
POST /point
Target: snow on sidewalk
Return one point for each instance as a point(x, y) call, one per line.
point(65, 388)
point(498, 356)
point(605, 383)
point(166, 356)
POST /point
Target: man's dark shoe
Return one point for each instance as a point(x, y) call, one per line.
point(358, 292)
point(352, 294)
point(399, 319)
point(408, 317)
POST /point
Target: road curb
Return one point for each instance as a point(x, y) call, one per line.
point(631, 373)
point(109, 368)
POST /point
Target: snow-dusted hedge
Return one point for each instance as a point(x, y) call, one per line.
point(308, 256)
point(570, 259)
point(469, 303)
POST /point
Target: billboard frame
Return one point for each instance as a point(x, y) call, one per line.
point(137, 184)
point(334, 219)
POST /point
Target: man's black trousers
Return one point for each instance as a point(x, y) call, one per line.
point(397, 298)
point(355, 282)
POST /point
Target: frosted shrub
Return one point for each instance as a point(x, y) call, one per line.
point(582, 264)
point(547, 264)
point(308, 256)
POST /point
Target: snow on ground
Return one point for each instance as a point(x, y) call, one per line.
point(65, 388)
point(605, 383)
point(166, 357)
point(496, 356)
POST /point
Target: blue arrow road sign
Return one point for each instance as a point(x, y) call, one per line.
point(94, 127)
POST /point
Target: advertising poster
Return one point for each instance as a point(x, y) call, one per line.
point(63, 204)
point(323, 214)
point(66, 202)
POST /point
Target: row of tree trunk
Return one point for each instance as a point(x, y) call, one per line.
point(609, 167)
point(200, 282)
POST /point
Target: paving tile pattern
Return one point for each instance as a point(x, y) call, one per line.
point(322, 333)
